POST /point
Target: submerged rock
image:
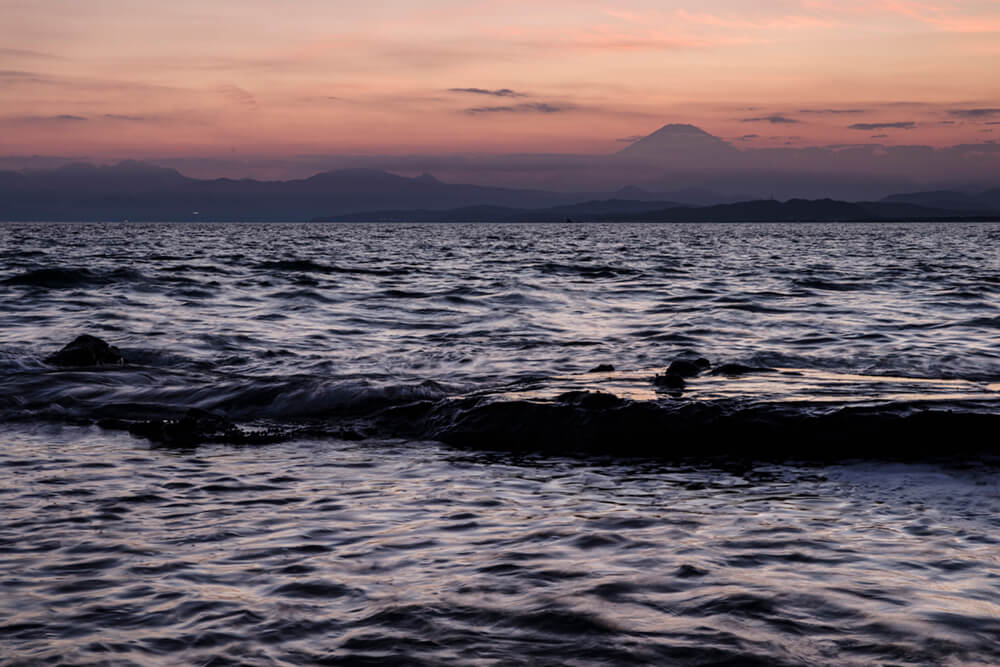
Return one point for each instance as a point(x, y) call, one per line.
point(688, 367)
point(87, 350)
point(672, 381)
point(669, 381)
point(589, 399)
point(194, 428)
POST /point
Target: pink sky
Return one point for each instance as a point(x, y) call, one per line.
point(116, 78)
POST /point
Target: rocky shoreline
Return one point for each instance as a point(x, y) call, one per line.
point(590, 422)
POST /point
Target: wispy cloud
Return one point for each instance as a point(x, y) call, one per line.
point(868, 127)
point(785, 22)
point(774, 120)
point(58, 118)
point(499, 92)
point(25, 53)
point(631, 140)
point(529, 107)
point(748, 137)
point(9, 76)
point(832, 111)
point(124, 117)
point(238, 95)
point(975, 113)
point(605, 39)
point(944, 16)
point(84, 85)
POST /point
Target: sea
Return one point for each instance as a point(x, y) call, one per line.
point(459, 444)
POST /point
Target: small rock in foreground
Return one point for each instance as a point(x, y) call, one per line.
point(670, 382)
point(85, 351)
point(687, 367)
point(603, 368)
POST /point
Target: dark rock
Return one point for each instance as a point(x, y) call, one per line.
point(114, 424)
point(87, 350)
point(591, 400)
point(669, 381)
point(199, 427)
point(673, 380)
point(686, 571)
point(603, 368)
point(740, 369)
point(688, 367)
point(349, 434)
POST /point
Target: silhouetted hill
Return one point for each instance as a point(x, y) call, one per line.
point(137, 191)
point(583, 211)
point(128, 176)
point(947, 199)
point(801, 210)
point(616, 210)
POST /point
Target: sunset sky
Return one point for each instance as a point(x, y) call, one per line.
point(223, 77)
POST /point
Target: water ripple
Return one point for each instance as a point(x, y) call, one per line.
point(410, 553)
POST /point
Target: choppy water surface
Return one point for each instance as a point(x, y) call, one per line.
point(486, 303)
point(330, 552)
point(389, 548)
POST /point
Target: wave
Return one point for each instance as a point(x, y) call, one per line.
point(72, 277)
point(187, 406)
point(830, 285)
point(309, 266)
point(586, 270)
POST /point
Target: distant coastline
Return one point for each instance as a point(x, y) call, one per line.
point(793, 210)
point(140, 192)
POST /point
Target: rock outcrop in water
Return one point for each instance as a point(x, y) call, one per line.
point(672, 381)
point(669, 382)
point(598, 423)
point(687, 368)
point(199, 427)
point(85, 351)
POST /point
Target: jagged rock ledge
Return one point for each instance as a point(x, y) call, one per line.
point(592, 422)
point(596, 423)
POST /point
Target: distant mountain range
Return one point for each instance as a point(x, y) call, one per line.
point(617, 210)
point(138, 191)
point(955, 201)
point(142, 192)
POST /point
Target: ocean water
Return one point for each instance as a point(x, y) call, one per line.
point(388, 443)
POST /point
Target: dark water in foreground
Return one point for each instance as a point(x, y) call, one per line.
point(338, 552)
point(396, 548)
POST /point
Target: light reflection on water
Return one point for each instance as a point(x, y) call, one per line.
point(326, 551)
point(790, 385)
point(481, 304)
